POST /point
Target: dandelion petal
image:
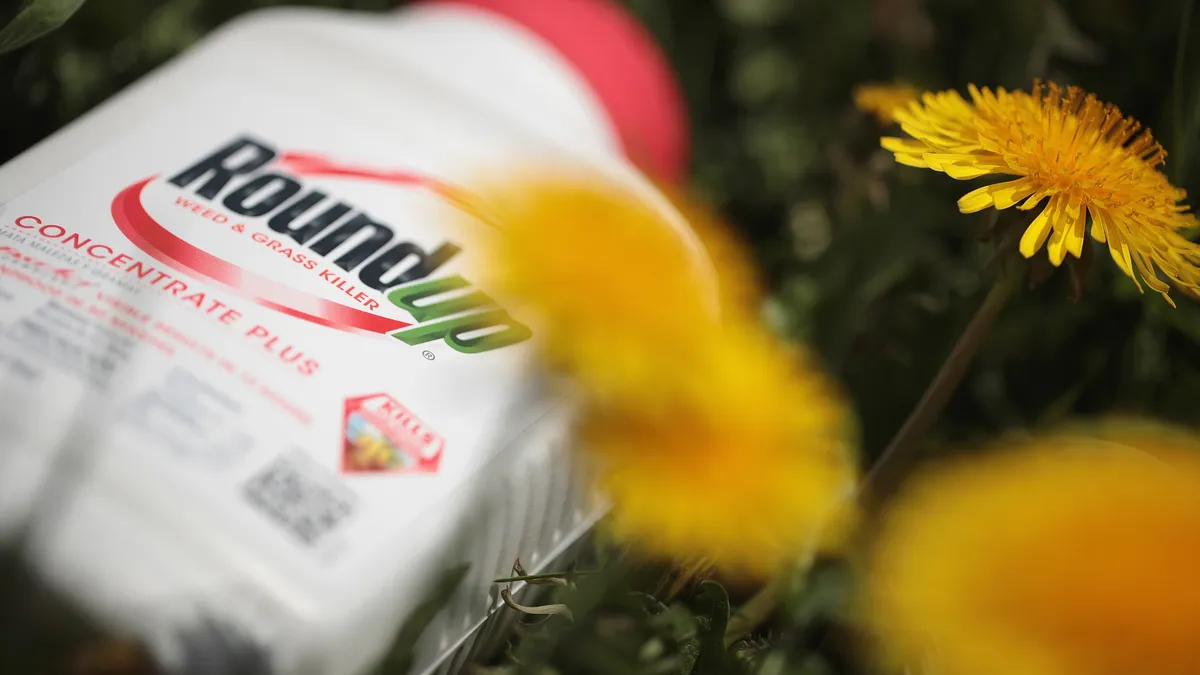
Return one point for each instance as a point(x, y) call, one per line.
point(965, 171)
point(1057, 247)
point(1035, 235)
point(1149, 275)
point(976, 200)
point(1006, 195)
point(1121, 256)
point(1099, 225)
point(1073, 221)
point(1031, 203)
point(911, 160)
point(902, 145)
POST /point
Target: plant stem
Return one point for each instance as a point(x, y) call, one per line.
point(890, 465)
point(754, 612)
point(895, 457)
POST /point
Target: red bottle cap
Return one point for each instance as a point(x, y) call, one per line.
point(624, 67)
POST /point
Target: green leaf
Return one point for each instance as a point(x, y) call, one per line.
point(677, 623)
point(749, 654)
point(711, 605)
point(35, 19)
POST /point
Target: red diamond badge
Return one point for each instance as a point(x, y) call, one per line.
point(382, 436)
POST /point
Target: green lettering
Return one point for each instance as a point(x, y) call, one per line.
point(452, 331)
point(406, 298)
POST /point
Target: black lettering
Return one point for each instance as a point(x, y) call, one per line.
point(262, 195)
point(380, 235)
point(282, 221)
point(223, 165)
point(384, 272)
point(313, 227)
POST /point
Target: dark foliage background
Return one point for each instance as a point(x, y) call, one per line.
point(868, 261)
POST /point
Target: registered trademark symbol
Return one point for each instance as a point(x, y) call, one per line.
point(429, 356)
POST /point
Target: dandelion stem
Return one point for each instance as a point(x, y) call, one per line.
point(890, 465)
point(757, 610)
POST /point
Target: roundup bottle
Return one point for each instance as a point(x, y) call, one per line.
point(229, 407)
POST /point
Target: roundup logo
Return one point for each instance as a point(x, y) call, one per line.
point(262, 184)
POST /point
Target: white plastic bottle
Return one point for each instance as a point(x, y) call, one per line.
point(230, 392)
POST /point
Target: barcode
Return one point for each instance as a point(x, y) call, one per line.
point(298, 495)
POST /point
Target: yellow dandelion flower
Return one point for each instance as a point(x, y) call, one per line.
point(1070, 554)
point(748, 465)
point(883, 100)
point(615, 279)
point(1079, 156)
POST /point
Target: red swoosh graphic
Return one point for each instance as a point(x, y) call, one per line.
point(306, 164)
point(151, 237)
point(309, 164)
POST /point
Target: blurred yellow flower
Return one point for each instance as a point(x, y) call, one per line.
point(711, 438)
point(1080, 156)
point(749, 464)
point(615, 285)
point(740, 293)
point(883, 100)
point(1072, 554)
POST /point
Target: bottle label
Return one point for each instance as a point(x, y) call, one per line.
point(277, 315)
